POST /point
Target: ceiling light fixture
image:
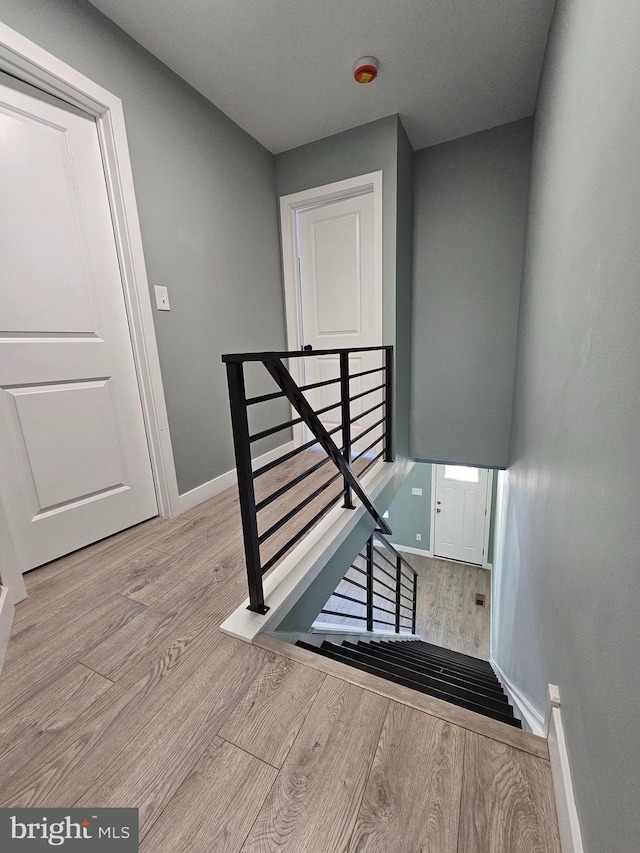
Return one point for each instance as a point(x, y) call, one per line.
point(365, 70)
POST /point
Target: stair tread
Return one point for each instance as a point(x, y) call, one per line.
point(465, 660)
point(481, 674)
point(369, 665)
point(469, 693)
point(435, 668)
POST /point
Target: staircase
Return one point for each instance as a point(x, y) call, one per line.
point(442, 673)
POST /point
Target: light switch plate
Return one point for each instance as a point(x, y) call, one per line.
point(418, 537)
point(162, 298)
point(416, 491)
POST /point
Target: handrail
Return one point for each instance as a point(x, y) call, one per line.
point(242, 357)
point(370, 607)
point(341, 457)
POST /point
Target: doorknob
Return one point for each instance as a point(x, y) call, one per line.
point(438, 509)
point(307, 348)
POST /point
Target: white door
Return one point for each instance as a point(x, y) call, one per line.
point(73, 449)
point(461, 510)
point(341, 307)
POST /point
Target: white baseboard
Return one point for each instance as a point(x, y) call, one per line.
point(408, 550)
point(213, 487)
point(523, 708)
point(7, 610)
point(570, 835)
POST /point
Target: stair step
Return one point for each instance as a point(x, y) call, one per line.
point(476, 674)
point(408, 679)
point(435, 670)
point(468, 693)
point(458, 657)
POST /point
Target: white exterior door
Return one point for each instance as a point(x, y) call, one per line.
point(73, 448)
point(341, 305)
point(462, 504)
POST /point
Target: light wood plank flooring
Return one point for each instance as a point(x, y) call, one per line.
point(446, 612)
point(119, 689)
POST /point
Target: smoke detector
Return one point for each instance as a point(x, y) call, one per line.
point(365, 70)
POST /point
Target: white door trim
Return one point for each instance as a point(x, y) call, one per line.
point(316, 196)
point(30, 63)
point(487, 519)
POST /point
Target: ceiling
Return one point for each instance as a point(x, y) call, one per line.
point(282, 69)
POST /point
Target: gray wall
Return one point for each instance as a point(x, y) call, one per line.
point(569, 603)
point(379, 145)
point(207, 204)
point(410, 514)
point(469, 221)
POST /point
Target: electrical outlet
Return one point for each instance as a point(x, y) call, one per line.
point(418, 537)
point(416, 491)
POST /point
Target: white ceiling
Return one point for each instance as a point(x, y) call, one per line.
point(282, 69)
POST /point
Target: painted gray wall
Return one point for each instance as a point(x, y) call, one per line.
point(569, 604)
point(469, 221)
point(207, 205)
point(379, 145)
point(410, 514)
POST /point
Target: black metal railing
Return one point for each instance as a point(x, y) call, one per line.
point(379, 590)
point(261, 520)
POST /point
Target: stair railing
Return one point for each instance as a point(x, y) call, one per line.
point(385, 595)
point(343, 457)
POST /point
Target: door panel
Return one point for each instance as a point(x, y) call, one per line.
point(461, 504)
point(73, 448)
point(340, 305)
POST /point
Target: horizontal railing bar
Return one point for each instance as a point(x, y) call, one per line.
point(381, 622)
point(364, 393)
point(367, 412)
point(357, 569)
point(296, 509)
point(367, 372)
point(379, 594)
point(273, 560)
point(390, 547)
point(385, 572)
point(385, 585)
point(272, 430)
point(372, 462)
point(271, 356)
point(355, 583)
point(407, 597)
point(367, 449)
point(264, 398)
point(286, 456)
point(368, 429)
point(385, 558)
point(319, 384)
point(290, 484)
point(408, 588)
point(349, 615)
point(348, 598)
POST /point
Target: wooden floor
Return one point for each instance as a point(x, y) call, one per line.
point(119, 690)
point(446, 612)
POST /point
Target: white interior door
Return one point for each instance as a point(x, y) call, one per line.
point(462, 504)
point(341, 306)
point(73, 448)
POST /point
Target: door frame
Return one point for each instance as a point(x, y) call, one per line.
point(317, 197)
point(25, 60)
point(487, 519)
